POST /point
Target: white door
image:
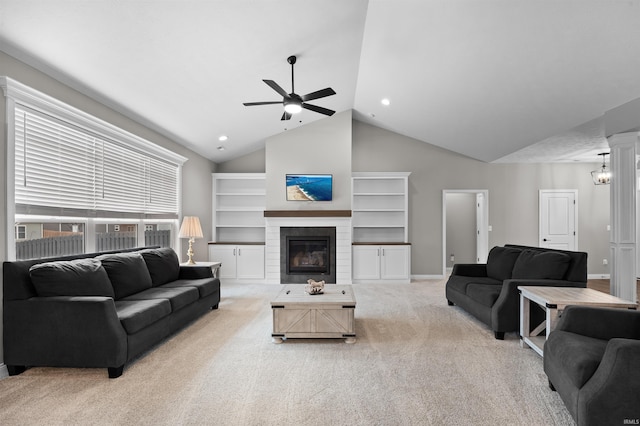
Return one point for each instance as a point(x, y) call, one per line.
point(558, 219)
point(394, 263)
point(250, 262)
point(227, 256)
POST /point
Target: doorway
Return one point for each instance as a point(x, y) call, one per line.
point(465, 226)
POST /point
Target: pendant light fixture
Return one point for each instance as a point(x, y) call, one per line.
point(602, 176)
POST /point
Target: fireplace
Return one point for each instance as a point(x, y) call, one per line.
point(307, 253)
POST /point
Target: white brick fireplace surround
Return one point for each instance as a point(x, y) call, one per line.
point(340, 219)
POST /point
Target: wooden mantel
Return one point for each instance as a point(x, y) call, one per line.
point(307, 213)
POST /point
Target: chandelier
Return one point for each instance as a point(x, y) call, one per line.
point(602, 176)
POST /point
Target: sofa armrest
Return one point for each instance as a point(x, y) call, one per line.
point(600, 323)
point(610, 396)
point(505, 313)
point(64, 331)
point(470, 269)
point(195, 272)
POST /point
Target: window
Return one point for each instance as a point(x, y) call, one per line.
point(70, 164)
point(21, 232)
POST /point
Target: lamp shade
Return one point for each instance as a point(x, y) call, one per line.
point(190, 228)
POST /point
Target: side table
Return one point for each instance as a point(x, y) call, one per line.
point(215, 266)
point(553, 300)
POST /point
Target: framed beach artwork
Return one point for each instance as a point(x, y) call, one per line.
point(309, 187)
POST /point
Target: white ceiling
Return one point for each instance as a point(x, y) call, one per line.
point(495, 80)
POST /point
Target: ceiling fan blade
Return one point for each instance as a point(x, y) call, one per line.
point(318, 94)
point(316, 108)
point(277, 88)
point(285, 116)
point(261, 103)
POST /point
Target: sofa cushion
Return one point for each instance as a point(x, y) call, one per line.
point(163, 265)
point(500, 262)
point(578, 355)
point(205, 286)
point(81, 277)
point(127, 272)
point(484, 294)
point(548, 265)
point(179, 297)
point(134, 315)
point(460, 283)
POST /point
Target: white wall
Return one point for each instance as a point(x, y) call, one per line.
point(322, 147)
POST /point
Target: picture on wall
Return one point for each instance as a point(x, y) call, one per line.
point(309, 187)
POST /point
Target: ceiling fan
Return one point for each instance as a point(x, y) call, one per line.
point(293, 103)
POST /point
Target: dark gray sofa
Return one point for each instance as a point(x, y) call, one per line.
point(490, 291)
point(592, 358)
point(100, 309)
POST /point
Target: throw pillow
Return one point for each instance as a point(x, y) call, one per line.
point(542, 265)
point(500, 262)
point(163, 265)
point(128, 273)
point(81, 277)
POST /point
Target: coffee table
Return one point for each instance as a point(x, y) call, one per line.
point(553, 300)
point(297, 314)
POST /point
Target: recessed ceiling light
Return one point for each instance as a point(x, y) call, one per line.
point(220, 148)
point(385, 102)
point(223, 138)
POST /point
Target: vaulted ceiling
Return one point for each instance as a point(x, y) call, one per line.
point(495, 80)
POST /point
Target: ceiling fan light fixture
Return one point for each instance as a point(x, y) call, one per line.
point(602, 176)
point(293, 106)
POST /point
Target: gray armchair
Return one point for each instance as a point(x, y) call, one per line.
point(592, 359)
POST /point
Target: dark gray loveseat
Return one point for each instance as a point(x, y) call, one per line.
point(490, 291)
point(592, 358)
point(99, 310)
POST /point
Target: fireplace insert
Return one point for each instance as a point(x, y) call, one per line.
point(307, 253)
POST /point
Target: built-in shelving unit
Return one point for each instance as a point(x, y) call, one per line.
point(380, 226)
point(380, 207)
point(238, 208)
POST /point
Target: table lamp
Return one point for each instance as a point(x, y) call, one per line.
point(190, 229)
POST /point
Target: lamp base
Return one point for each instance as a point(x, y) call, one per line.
point(190, 252)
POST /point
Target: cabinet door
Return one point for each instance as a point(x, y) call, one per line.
point(250, 261)
point(226, 255)
point(366, 262)
point(394, 263)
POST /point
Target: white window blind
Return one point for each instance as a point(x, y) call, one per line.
point(63, 169)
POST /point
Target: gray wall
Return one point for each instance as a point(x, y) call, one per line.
point(513, 193)
point(196, 182)
point(323, 147)
point(461, 228)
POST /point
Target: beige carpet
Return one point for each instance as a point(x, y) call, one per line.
point(417, 361)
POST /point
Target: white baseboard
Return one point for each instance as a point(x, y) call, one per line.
point(427, 277)
point(598, 276)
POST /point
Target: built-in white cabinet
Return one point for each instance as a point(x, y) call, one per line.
point(239, 261)
point(238, 238)
point(388, 262)
point(380, 227)
point(238, 207)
